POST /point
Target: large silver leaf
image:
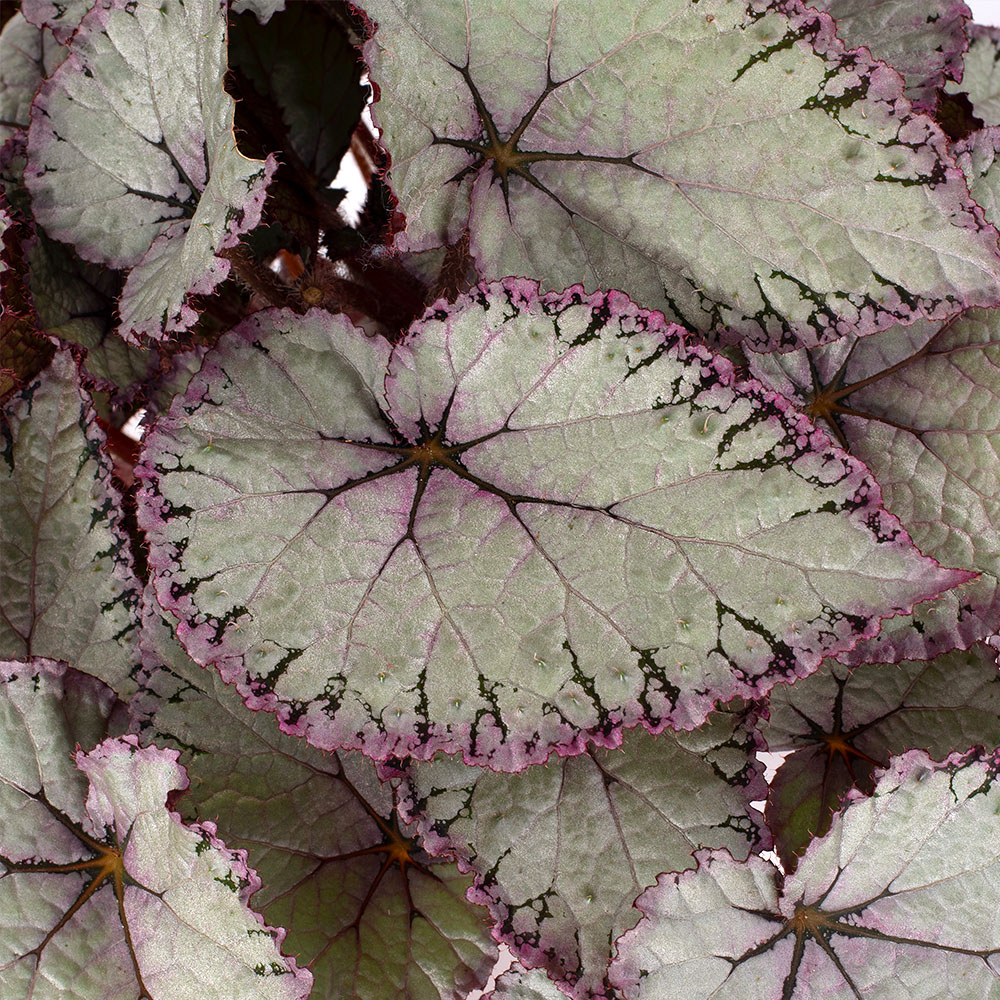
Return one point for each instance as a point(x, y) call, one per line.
point(67, 589)
point(133, 160)
point(366, 910)
point(552, 517)
point(900, 899)
point(560, 852)
point(727, 162)
point(981, 78)
point(104, 893)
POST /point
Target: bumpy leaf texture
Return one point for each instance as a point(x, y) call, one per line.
point(27, 55)
point(133, 160)
point(924, 41)
point(918, 405)
point(900, 899)
point(540, 516)
point(981, 79)
point(729, 163)
point(67, 589)
point(840, 725)
point(520, 984)
point(61, 17)
point(366, 910)
point(560, 852)
point(104, 893)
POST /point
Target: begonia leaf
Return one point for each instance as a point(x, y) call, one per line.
point(27, 56)
point(981, 76)
point(140, 173)
point(900, 899)
point(543, 517)
point(730, 163)
point(924, 41)
point(105, 894)
point(67, 589)
point(918, 405)
point(62, 17)
point(365, 909)
point(840, 725)
point(264, 9)
point(560, 852)
point(518, 983)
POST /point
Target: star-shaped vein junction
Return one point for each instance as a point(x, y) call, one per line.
point(101, 866)
point(504, 156)
point(812, 927)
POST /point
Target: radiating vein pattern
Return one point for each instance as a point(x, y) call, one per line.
point(541, 515)
point(730, 163)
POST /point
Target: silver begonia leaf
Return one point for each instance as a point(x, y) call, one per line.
point(366, 910)
point(543, 519)
point(560, 852)
point(840, 725)
point(67, 588)
point(729, 163)
point(133, 160)
point(104, 893)
point(900, 899)
point(981, 78)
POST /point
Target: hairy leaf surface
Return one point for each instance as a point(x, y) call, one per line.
point(899, 899)
point(918, 405)
point(721, 161)
point(924, 41)
point(67, 589)
point(551, 516)
point(132, 157)
point(981, 78)
point(105, 894)
point(840, 725)
point(560, 852)
point(366, 910)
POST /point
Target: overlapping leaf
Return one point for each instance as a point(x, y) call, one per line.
point(899, 899)
point(520, 984)
point(27, 55)
point(918, 405)
point(560, 852)
point(840, 725)
point(981, 77)
point(105, 894)
point(724, 162)
point(924, 41)
point(369, 913)
point(132, 157)
point(62, 17)
point(66, 585)
point(552, 516)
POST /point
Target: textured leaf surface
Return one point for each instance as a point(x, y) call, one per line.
point(520, 984)
point(132, 157)
point(898, 900)
point(370, 914)
point(61, 16)
point(104, 894)
point(924, 41)
point(841, 725)
point(264, 9)
point(26, 56)
point(981, 78)
point(66, 585)
point(553, 515)
point(560, 852)
point(765, 184)
point(918, 405)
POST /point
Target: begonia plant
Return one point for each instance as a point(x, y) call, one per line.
point(473, 548)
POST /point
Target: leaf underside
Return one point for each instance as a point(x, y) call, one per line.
point(730, 165)
point(899, 899)
point(552, 519)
